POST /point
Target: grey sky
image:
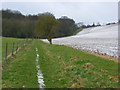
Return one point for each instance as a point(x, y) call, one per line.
point(87, 12)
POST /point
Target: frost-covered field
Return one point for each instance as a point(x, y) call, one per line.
point(102, 40)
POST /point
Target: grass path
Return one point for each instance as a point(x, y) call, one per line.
point(20, 70)
point(65, 67)
point(62, 67)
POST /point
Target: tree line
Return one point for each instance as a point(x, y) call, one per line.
point(15, 24)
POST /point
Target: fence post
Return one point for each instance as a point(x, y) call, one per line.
point(6, 50)
point(16, 47)
point(22, 44)
point(13, 48)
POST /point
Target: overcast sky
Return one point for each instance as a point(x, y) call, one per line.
point(87, 12)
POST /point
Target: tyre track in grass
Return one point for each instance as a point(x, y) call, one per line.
point(39, 73)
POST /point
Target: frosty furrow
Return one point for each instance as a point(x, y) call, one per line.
point(102, 40)
point(39, 73)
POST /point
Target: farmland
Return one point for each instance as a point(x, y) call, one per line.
point(59, 45)
point(61, 66)
point(102, 40)
point(10, 41)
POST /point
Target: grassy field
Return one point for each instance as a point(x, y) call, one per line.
point(10, 44)
point(19, 71)
point(62, 67)
point(77, 31)
point(0, 48)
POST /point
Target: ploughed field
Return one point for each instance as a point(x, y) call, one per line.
point(102, 40)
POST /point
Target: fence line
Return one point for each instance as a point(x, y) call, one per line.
point(15, 47)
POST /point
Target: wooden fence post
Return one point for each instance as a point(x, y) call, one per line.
point(22, 44)
point(13, 48)
point(6, 50)
point(16, 47)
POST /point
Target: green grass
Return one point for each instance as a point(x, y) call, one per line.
point(20, 71)
point(76, 32)
point(0, 62)
point(0, 48)
point(66, 67)
point(62, 67)
point(10, 41)
point(10, 45)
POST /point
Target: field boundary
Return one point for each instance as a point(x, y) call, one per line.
point(15, 50)
point(102, 56)
point(93, 53)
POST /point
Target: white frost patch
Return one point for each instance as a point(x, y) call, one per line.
point(37, 55)
point(36, 49)
point(102, 40)
point(39, 73)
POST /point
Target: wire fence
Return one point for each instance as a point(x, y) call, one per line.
point(16, 46)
